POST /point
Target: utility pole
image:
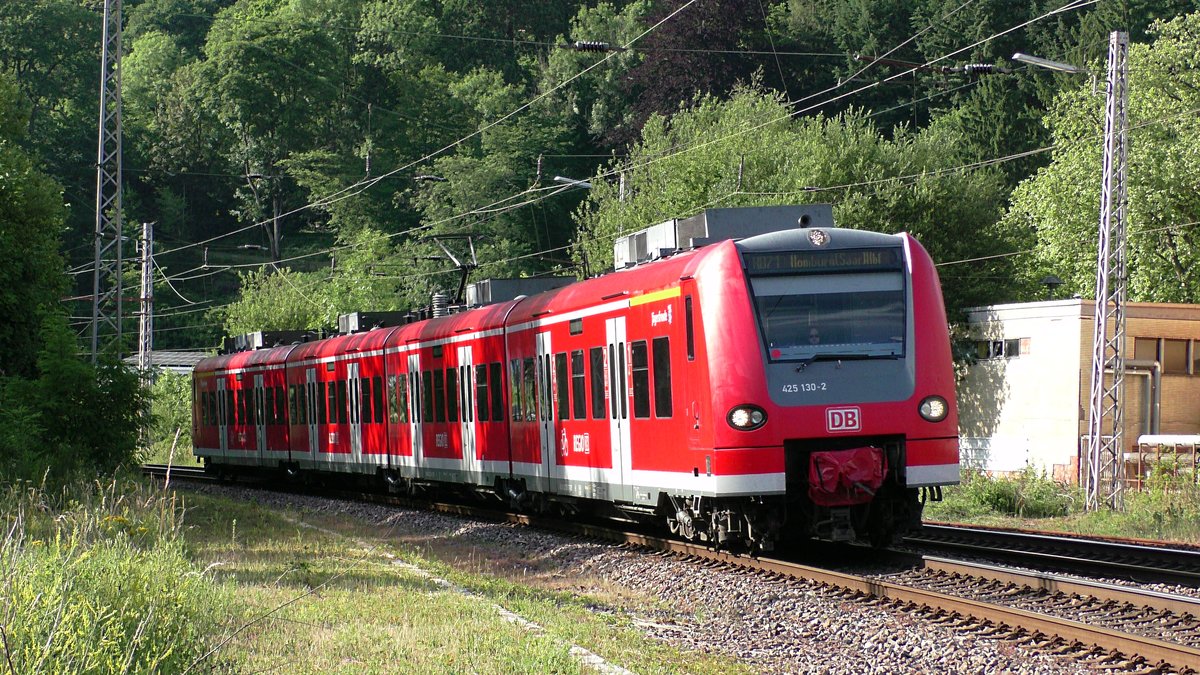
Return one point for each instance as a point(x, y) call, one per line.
point(107, 264)
point(146, 324)
point(1105, 478)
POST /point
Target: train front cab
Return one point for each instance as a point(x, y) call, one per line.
point(854, 403)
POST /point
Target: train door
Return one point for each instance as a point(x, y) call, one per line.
point(260, 418)
point(546, 431)
point(354, 394)
point(466, 366)
point(618, 403)
point(312, 401)
point(222, 416)
point(414, 396)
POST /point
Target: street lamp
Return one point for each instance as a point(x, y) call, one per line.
point(571, 181)
point(1105, 478)
point(1047, 63)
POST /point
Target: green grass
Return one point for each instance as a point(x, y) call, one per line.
point(94, 579)
point(315, 602)
point(1166, 509)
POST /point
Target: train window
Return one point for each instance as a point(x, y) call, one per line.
point(301, 405)
point(481, 392)
point(360, 410)
point(414, 395)
point(280, 406)
point(621, 379)
point(529, 391)
point(377, 399)
point(612, 378)
point(497, 399)
point(560, 382)
point(439, 395)
point(514, 388)
point(402, 394)
point(464, 390)
point(230, 407)
point(323, 404)
point(661, 347)
point(544, 403)
point(451, 395)
point(578, 386)
point(266, 405)
point(393, 400)
point(292, 402)
point(575, 326)
point(812, 316)
point(596, 357)
point(426, 396)
point(342, 404)
point(641, 379)
point(690, 327)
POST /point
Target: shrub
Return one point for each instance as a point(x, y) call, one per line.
point(1029, 494)
point(97, 581)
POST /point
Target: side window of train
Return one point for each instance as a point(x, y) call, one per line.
point(481, 393)
point(439, 395)
point(301, 404)
point(496, 373)
point(529, 391)
point(596, 358)
point(451, 395)
point(364, 400)
point(293, 413)
point(690, 326)
point(426, 396)
point(464, 391)
point(562, 387)
point(661, 348)
point(377, 398)
point(414, 391)
point(342, 402)
point(331, 402)
point(578, 386)
point(281, 406)
point(640, 365)
point(514, 388)
point(546, 402)
point(322, 417)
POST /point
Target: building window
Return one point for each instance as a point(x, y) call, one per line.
point(1145, 349)
point(1001, 349)
point(1175, 356)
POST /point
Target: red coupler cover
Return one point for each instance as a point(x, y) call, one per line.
point(845, 477)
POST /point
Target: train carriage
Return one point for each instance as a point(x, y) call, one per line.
point(790, 383)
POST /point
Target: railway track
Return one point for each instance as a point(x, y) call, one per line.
point(1139, 562)
point(1106, 625)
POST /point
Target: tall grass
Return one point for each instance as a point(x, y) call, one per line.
point(94, 579)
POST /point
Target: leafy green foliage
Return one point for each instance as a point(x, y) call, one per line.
point(170, 413)
point(1060, 204)
point(748, 151)
point(73, 418)
point(97, 580)
point(1029, 494)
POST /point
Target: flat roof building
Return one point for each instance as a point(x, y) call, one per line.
point(1024, 401)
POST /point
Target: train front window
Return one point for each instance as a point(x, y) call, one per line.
point(815, 316)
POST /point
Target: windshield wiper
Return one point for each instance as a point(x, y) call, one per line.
point(841, 356)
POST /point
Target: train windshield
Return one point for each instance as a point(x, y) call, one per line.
point(825, 316)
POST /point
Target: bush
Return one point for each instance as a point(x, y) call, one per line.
point(170, 411)
point(97, 581)
point(1029, 494)
point(74, 419)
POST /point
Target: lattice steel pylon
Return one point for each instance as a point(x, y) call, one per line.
point(107, 272)
point(146, 316)
point(1105, 477)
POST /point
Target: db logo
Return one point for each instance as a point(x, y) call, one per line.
point(843, 419)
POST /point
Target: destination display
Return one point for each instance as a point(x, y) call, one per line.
point(848, 260)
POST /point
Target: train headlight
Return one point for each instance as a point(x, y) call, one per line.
point(747, 417)
point(934, 408)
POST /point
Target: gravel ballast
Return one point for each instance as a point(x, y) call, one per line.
point(773, 626)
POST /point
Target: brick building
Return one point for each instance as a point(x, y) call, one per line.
point(1025, 401)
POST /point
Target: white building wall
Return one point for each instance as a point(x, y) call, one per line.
point(1023, 409)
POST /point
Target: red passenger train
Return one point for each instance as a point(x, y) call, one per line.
point(790, 384)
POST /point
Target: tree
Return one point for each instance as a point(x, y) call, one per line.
point(31, 217)
point(1059, 206)
point(748, 151)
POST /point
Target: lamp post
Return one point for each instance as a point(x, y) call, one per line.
point(1104, 479)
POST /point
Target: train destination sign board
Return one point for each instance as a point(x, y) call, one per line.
point(848, 260)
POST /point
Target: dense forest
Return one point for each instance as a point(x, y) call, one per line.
point(305, 158)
